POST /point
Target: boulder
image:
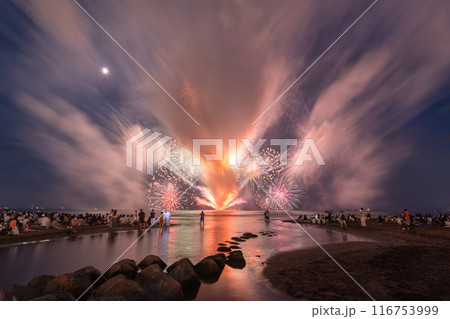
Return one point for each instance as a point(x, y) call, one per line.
point(120, 287)
point(250, 235)
point(60, 296)
point(208, 269)
point(93, 274)
point(235, 247)
point(126, 267)
point(6, 296)
point(185, 274)
point(221, 244)
point(224, 249)
point(183, 260)
point(220, 260)
point(39, 282)
point(238, 239)
point(158, 285)
point(236, 259)
point(152, 259)
point(148, 273)
point(19, 292)
point(75, 283)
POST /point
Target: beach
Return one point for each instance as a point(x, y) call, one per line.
point(281, 262)
point(399, 265)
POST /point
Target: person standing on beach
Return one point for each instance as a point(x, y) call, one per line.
point(152, 217)
point(363, 217)
point(202, 219)
point(406, 214)
point(141, 218)
point(112, 219)
point(161, 219)
point(266, 215)
point(342, 220)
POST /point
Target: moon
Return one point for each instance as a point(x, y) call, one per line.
point(105, 70)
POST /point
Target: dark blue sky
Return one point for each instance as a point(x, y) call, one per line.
point(51, 59)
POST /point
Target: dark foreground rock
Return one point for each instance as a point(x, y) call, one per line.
point(61, 296)
point(158, 285)
point(75, 283)
point(39, 282)
point(224, 249)
point(184, 273)
point(210, 268)
point(126, 267)
point(93, 274)
point(150, 260)
point(119, 287)
point(19, 292)
point(237, 239)
point(236, 259)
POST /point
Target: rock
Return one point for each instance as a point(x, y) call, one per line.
point(93, 274)
point(75, 283)
point(233, 243)
point(236, 259)
point(177, 263)
point(158, 285)
point(39, 282)
point(258, 256)
point(19, 292)
point(126, 267)
point(60, 296)
point(221, 244)
point(235, 247)
point(6, 296)
point(224, 249)
point(250, 235)
point(220, 260)
point(152, 259)
point(185, 274)
point(109, 298)
point(120, 286)
point(208, 269)
point(238, 239)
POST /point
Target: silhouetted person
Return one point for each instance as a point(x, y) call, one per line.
point(202, 218)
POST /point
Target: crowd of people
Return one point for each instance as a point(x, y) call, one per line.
point(14, 222)
point(404, 219)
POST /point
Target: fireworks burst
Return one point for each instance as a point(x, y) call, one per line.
point(282, 193)
point(250, 170)
point(168, 191)
point(206, 199)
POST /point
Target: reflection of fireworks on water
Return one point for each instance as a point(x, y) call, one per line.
point(206, 199)
point(169, 191)
point(281, 193)
point(250, 170)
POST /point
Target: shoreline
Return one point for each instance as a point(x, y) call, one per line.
point(48, 234)
point(401, 265)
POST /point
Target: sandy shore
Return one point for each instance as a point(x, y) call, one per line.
point(402, 265)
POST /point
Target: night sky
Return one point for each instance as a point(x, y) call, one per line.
point(377, 104)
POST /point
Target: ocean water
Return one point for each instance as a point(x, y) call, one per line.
point(185, 238)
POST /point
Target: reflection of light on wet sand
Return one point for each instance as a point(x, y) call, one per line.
point(20, 263)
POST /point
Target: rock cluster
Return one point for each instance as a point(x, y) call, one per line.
point(126, 280)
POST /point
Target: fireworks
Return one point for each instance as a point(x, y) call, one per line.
point(282, 193)
point(168, 191)
point(206, 199)
point(251, 172)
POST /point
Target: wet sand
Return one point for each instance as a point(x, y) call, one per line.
point(402, 265)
